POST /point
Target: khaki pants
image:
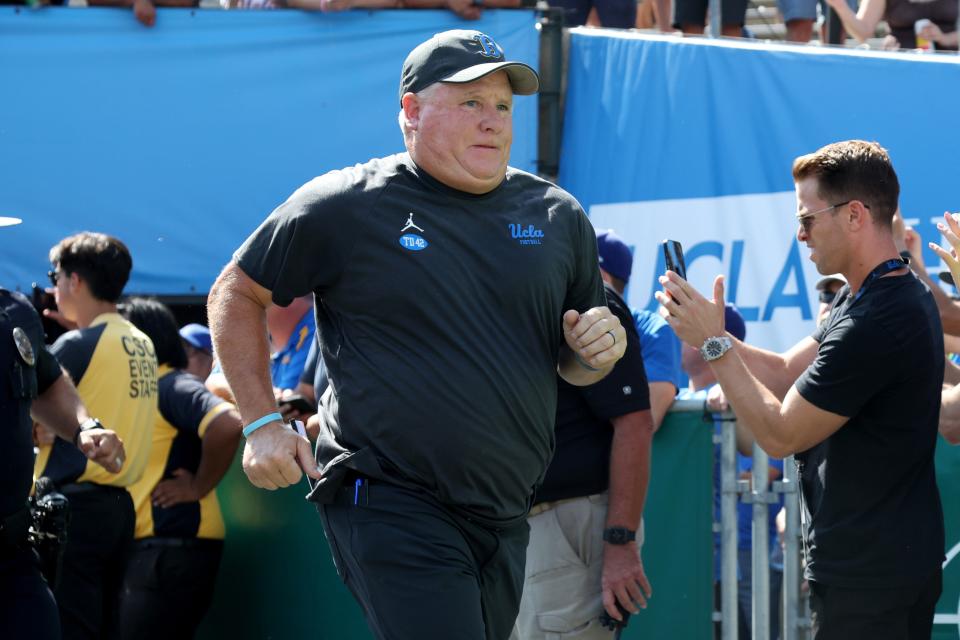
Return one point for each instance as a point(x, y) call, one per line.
point(561, 592)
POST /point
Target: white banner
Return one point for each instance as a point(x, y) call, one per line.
point(749, 239)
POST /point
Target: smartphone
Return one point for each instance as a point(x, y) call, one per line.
point(673, 257)
point(297, 403)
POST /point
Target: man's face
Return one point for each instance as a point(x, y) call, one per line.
point(464, 132)
point(63, 293)
point(822, 233)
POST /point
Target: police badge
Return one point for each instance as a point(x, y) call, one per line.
point(23, 346)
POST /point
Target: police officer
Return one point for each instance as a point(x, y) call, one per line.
point(34, 382)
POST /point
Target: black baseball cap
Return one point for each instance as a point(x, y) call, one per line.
point(461, 56)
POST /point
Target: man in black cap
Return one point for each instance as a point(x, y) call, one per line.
point(450, 289)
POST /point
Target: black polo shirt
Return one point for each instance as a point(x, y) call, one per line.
point(873, 509)
point(440, 316)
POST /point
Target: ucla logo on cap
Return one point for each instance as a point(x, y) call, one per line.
point(488, 48)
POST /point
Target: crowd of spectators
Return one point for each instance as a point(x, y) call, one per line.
point(888, 24)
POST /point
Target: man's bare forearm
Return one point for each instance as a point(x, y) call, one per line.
point(629, 468)
point(777, 372)
point(662, 395)
point(949, 310)
point(238, 326)
point(753, 403)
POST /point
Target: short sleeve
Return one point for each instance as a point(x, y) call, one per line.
point(48, 369)
point(660, 347)
point(624, 390)
point(835, 381)
point(189, 406)
point(304, 244)
point(586, 289)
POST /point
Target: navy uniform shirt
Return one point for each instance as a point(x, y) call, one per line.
point(22, 381)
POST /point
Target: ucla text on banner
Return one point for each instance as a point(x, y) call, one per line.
point(180, 139)
point(693, 140)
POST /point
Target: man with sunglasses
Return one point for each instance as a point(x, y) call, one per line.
point(115, 369)
point(857, 402)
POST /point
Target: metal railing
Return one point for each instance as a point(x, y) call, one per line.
point(795, 621)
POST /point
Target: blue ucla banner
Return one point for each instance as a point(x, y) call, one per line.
point(180, 139)
point(693, 140)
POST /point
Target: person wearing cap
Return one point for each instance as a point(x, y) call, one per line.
point(199, 349)
point(115, 369)
point(827, 288)
point(38, 386)
point(450, 291)
point(859, 399)
point(702, 383)
point(586, 529)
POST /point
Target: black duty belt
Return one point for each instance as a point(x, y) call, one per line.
point(80, 488)
point(177, 543)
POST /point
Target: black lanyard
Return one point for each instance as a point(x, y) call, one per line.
point(879, 271)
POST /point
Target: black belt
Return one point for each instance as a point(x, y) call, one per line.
point(14, 528)
point(176, 543)
point(79, 488)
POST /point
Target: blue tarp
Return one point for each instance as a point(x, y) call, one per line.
point(656, 118)
point(180, 139)
point(694, 140)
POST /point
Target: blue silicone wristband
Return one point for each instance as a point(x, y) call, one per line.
point(256, 424)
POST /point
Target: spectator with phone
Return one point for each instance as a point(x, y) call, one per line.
point(865, 387)
point(171, 572)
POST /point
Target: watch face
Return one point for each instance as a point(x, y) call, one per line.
point(618, 535)
point(714, 348)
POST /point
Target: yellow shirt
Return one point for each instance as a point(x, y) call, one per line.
point(185, 411)
point(114, 367)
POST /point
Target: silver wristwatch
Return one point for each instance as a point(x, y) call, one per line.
point(714, 348)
